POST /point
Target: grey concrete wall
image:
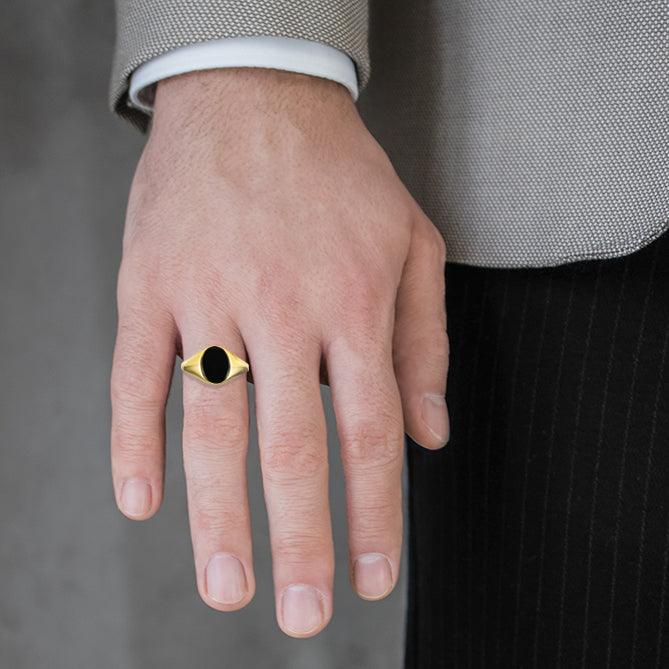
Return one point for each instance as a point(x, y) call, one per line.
point(82, 586)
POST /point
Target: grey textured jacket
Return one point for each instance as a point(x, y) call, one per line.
point(532, 133)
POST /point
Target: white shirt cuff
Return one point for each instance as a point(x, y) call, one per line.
point(279, 53)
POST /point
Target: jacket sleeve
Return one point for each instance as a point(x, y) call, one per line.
point(148, 28)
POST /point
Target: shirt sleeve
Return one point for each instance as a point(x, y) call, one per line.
point(280, 53)
point(147, 29)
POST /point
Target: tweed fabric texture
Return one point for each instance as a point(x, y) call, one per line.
point(532, 134)
point(148, 28)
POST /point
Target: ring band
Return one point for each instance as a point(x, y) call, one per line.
point(215, 365)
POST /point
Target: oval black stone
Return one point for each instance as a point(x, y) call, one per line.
point(215, 364)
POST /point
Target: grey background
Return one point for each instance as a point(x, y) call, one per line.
point(83, 586)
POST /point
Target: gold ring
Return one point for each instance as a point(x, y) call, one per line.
point(215, 365)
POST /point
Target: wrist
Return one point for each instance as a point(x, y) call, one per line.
point(243, 93)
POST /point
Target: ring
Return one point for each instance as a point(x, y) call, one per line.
point(215, 365)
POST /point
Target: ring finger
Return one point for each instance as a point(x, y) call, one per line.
point(215, 441)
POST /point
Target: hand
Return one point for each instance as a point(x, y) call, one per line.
point(264, 217)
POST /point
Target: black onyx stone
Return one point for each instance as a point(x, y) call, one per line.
point(215, 364)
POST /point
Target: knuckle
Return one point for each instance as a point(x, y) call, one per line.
point(129, 450)
point(279, 299)
point(374, 445)
point(433, 344)
point(360, 288)
point(204, 426)
point(213, 519)
point(441, 246)
point(301, 548)
point(378, 516)
point(286, 461)
point(136, 383)
point(361, 301)
point(135, 421)
point(136, 444)
point(136, 282)
point(130, 404)
point(137, 391)
point(435, 245)
point(145, 290)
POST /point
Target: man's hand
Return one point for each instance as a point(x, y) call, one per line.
point(264, 218)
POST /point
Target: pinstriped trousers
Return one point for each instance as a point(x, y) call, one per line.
point(539, 536)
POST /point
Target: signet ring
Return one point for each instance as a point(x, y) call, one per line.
point(215, 365)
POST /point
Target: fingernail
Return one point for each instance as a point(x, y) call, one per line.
point(225, 580)
point(372, 576)
point(435, 416)
point(301, 609)
point(136, 497)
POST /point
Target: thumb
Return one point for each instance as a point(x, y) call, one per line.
point(420, 342)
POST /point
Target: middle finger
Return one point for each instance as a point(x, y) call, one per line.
point(292, 434)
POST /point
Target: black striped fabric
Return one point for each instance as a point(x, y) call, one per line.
point(539, 536)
